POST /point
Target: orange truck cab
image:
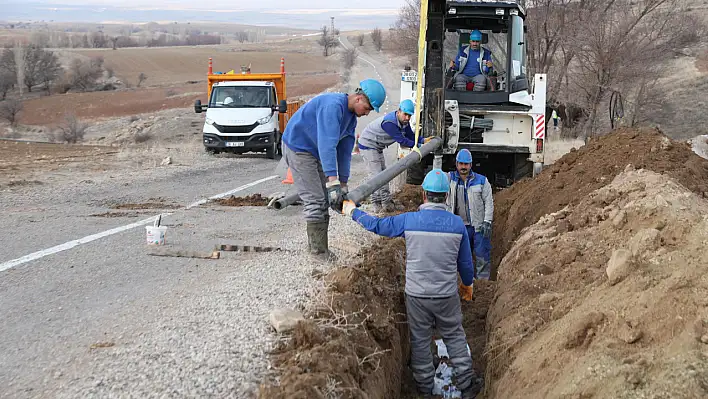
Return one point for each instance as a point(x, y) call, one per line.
point(245, 112)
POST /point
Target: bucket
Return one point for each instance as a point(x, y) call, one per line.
point(155, 235)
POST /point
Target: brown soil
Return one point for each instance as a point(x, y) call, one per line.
point(356, 343)
point(249, 200)
point(582, 171)
point(608, 297)
point(52, 110)
point(19, 160)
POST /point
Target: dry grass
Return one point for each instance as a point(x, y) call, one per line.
point(50, 110)
point(170, 65)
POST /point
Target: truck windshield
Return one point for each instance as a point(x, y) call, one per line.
point(241, 97)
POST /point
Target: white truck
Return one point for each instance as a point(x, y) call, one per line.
point(246, 112)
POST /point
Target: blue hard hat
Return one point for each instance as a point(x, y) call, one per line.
point(375, 91)
point(436, 182)
point(464, 156)
point(476, 35)
point(407, 106)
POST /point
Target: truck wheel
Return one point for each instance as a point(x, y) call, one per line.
point(279, 141)
point(272, 150)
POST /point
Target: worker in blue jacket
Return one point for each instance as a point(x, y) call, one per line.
point(393, 127)
point(317, 147)
point(471, 198)
point(437, 250)
point(472, 64)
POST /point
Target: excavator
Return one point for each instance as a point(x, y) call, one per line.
point(503, 126)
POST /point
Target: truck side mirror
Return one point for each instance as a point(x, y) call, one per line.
point(283, 106)
point(198, 107)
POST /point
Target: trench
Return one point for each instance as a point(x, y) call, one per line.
point(357, 346)
point(356, 342)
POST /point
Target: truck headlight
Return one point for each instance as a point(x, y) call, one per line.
point(209, 121)
point(265, 119)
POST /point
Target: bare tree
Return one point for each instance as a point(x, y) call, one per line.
point(327, 41)
point(10, 110)
point(7, 81)
point(114, 40)
point(349, 58)
point(73, 130)
point(242, 36)
point(377, 38)
point(141, 78)
point(406, 30)
point(40, 66)
point(83, 74)
point(360, 39)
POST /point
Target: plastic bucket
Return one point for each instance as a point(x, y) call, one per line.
point(155, 235)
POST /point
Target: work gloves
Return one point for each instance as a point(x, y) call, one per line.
point(466, 292)
point(427, 139)
point(348, 208)
point(486, 229)
point(336, 193)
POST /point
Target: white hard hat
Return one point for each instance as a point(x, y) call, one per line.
point(228, 100)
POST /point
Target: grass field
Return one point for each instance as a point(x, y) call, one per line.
point(51, 110)
point(177, 65)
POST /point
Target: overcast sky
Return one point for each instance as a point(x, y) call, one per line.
point(236, 4)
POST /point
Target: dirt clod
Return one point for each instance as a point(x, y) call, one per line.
point(249, 200)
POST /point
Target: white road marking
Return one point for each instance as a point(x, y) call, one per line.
point(71, 244)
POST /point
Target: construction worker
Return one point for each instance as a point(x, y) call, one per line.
point(471, 199)
point(554, 116)
point(472, 64)
point(377, 136)
point(317, 147)
point(437, 250)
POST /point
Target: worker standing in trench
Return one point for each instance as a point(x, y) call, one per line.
point(432, 298)
point(317, 147)
point(376, 137)
point(471, 199)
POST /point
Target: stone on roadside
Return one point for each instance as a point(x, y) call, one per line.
point(284, 320)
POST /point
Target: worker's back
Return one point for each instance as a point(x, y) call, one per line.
point(328, 111)
point(434, 254)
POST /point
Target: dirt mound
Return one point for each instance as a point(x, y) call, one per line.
point(608, 297)
point(582, 171)
point(249, 200)
point(354, 343)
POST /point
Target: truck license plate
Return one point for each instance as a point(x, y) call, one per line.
point(235, 143)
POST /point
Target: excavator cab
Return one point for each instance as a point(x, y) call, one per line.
point(503, 126)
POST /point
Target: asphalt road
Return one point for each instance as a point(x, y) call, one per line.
point(86, 312)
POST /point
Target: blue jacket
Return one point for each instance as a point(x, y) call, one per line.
point(477, 193)
point(437, 248)
point(384, 131)
point(324, 127)
point(471, 64)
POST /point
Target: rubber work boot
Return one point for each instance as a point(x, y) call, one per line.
point(318, 240)
point(474, 389)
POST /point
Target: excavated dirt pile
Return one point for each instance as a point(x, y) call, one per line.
point(606, 298)
point(583, 171)
point(606, 295)
point(355, 342)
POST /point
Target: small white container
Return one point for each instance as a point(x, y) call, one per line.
point(155, 235)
